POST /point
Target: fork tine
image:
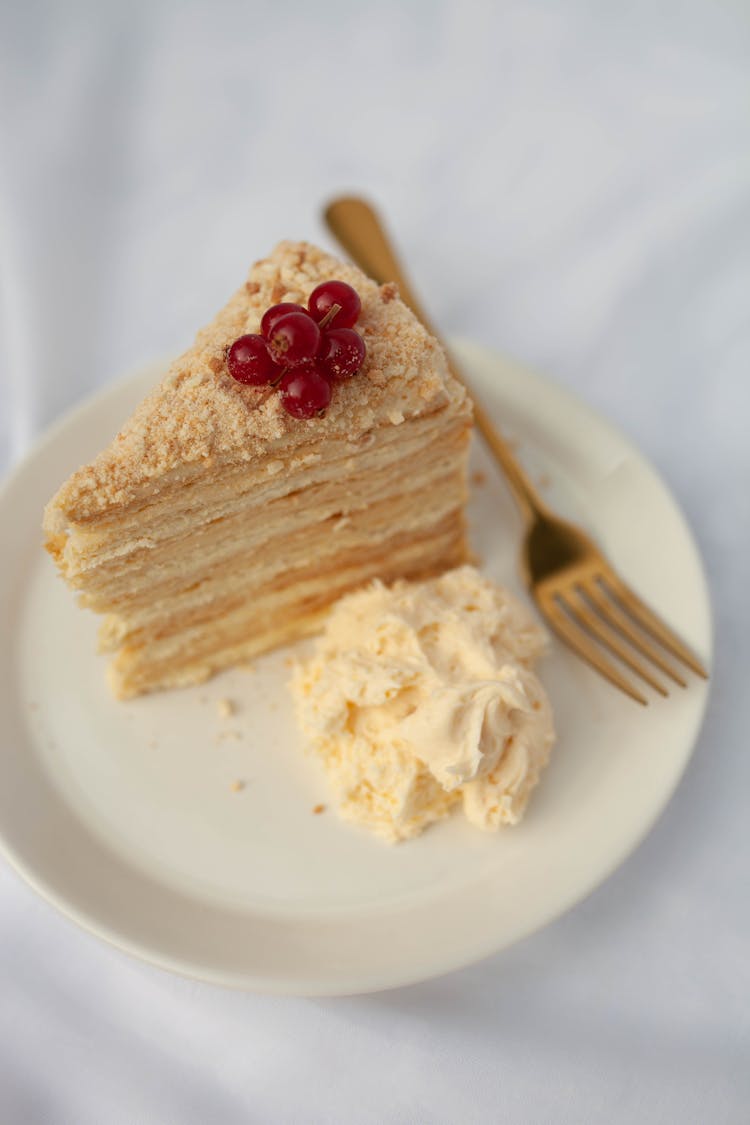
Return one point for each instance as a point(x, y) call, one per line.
point(579, 640)
point(617, 619)
point(648, 620)
point(603, 631)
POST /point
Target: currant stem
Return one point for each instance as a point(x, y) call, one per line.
point(332, 312)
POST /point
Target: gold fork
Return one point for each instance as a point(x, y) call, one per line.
point(577, 590)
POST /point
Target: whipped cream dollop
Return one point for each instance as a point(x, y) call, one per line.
point(421, 697)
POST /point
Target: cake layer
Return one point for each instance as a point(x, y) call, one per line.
point(189, 595)
point(253, 542)
point(250, 531)
point(293, 609)
point(346, 482)
point(180, 607)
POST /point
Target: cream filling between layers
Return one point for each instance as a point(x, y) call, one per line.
point(243, 633)
point(173, 607)
point(285, 548)
point(178, 500)
point(176, 613)
point(259, 521)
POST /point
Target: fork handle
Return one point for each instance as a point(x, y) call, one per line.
point(358, 228)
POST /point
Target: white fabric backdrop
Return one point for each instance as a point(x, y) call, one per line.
point(570, 182)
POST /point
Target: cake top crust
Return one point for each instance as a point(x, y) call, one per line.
point(199, 415)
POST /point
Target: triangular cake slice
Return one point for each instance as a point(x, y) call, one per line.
point(215, 526)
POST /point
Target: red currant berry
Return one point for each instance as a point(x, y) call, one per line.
point(294, 338)
point(270, 316)
point(342, 353)
point(331, 293)
point(248, 361)
point(304, 392)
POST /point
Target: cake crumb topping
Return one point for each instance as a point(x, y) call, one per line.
point(198, 412)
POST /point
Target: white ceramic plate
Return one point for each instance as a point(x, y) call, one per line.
point(124, 815)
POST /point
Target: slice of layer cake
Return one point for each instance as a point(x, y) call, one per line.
point(216, 526)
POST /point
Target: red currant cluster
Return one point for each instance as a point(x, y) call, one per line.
point(303, 351)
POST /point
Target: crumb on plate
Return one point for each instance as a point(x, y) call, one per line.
point(225, 707)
